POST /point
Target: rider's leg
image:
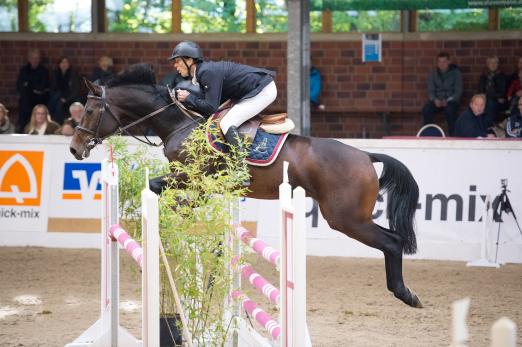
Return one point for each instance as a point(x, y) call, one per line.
point(242, 112)
point(248, 108)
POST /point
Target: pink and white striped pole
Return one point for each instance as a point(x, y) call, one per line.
point(271, 254)
point(258, 281)
point(132, 247)
point(263, 318)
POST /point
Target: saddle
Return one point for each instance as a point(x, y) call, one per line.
point(278, 123)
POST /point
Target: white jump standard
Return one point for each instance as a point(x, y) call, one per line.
point(290, 297)
point(107, 331)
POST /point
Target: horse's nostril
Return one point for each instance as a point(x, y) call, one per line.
point(73, 151)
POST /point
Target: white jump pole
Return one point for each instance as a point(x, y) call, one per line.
point(504, 333)
point(459, 326)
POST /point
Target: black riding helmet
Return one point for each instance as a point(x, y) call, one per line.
point(187, 49)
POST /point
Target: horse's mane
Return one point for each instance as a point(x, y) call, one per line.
point(142, 73)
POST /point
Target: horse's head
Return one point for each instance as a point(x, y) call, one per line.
point(98, 122)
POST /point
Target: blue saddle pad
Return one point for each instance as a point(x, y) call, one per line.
point(263, 150)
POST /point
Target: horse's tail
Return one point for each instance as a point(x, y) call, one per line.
point(403, 194)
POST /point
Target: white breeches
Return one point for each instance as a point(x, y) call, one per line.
point(248, 108)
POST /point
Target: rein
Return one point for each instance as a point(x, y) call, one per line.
point(96, 139)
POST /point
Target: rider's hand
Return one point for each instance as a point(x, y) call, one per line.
point(182, 94)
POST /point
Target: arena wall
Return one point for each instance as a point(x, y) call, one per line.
point(362, 99)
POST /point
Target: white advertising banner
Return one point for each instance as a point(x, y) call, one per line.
point(47, 198)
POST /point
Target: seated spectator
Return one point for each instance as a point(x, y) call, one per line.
point(493, 84)
point(41, 123)
point(104, 71)
point(472, 122)
point(76, 112)
point(6, 127)
point(514, 123)
point(444, 91)
point(515, 92)
point(65, 88)
point(67, 129)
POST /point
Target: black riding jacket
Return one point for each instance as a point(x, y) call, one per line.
point(223, 80)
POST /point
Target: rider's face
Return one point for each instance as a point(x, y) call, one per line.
point(180, 66)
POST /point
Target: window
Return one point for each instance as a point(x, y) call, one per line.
point(201, 16)
point(510, 18)
point(151, 16)
point(366, 21)
point(316, 21)
point(271, 16)
point(446, 20)
point(9, 15)
point(60, 16)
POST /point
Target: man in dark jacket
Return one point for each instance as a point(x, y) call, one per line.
point(32, 86)
point(251, 89)
point(444, 91)
point(472, 122)
point(493, 85)
point(514, 123)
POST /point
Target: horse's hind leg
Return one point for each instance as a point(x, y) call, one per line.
point(393, 263)
point(390, 244)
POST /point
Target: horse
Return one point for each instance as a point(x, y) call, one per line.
point(341, 178)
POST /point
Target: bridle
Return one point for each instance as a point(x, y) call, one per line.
point(97, 139)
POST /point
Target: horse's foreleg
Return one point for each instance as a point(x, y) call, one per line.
point(159, 184)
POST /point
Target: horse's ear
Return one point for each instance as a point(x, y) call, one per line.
point(93, 88)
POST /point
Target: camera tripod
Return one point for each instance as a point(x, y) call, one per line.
point(502, 204)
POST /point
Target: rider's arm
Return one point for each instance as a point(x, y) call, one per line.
point(211, 83)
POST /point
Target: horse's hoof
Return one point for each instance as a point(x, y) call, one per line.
point(414, 300)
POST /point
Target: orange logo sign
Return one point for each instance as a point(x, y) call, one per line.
point(21, 178)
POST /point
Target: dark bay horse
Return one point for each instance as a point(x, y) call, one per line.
point(342, 179)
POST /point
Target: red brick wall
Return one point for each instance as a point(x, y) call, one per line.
point(355, 93)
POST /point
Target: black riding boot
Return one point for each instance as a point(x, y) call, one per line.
point(234, 139)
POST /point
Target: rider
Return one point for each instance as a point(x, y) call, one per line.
point(251, 89)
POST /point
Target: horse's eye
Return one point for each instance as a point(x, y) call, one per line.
point(89, 110)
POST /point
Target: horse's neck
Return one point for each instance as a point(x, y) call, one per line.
point(181, 127)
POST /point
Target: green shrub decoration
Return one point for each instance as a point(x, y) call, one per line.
point(195, 219)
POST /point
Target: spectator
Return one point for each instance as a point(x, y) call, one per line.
point(32, 86)
point(67, 129)
point(65, 87)
point(472, 122)
point(514, 123)
point(444, 91)
point(515, 92)
point(6, 127)
point(104, 71)
point(493, 84)
point(514, 75)
point(315, 88)
point(76, 112)
point(41, 122)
